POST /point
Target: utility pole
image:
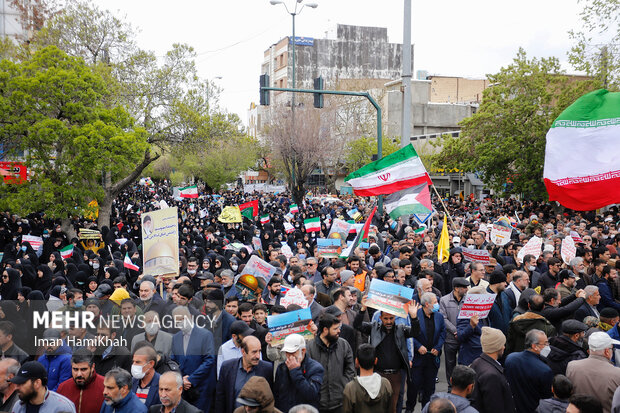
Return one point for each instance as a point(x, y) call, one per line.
point(405, 137)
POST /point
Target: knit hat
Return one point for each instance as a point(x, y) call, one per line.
point(119, 295)
point(492, 340)
point(345, 275)
point(497, 277)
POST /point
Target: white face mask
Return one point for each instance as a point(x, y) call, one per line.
point(136, 372)
point(95, 265)
point(545, 351)
point(191, 272)
point(151, 328)
point(531, 268)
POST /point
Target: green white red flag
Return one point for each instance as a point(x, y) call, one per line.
point(312, 224)
point(294, 209)
point(189, 192)
point(66, 252)
point(264, 219)
point(400, 170)
point(582, 157)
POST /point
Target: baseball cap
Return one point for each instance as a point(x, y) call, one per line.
point(333, 310)
point(293, 343)
point(103, 290)
point(601, 341)
point(241, 328)
point(30, 370)
point(456, 240)
point(246, 401)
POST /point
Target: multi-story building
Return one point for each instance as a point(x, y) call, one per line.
point(10, 21)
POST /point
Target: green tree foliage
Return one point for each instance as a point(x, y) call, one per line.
point(51, 109)
point(359, 152)
point(504, 141)
point(597, 45)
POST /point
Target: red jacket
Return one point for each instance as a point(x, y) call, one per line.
point(86, 400)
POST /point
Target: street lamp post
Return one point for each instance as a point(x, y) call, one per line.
point(293, 12)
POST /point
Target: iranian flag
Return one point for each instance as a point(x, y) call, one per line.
point(249, 209)
point(400, 170)
point(414, 200)
point(294, 209)
point(582, 157)
point(313, 224)
point(127, 263)
point(66, 252)
point(189, 192)
point(288, 228)
point(264, 219)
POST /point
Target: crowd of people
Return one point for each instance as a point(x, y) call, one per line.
point(193, 343)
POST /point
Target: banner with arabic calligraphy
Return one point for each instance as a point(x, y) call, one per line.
point(160, 242)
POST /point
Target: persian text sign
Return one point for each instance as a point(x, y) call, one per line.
point(476, 255)
point(477, 304)
point(568, 249)
point(389, 297)
point(500, 235)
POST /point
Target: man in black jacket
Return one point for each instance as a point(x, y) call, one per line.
point(567, 347)
point(557, 310)
point(491, 392)
point(170, 391)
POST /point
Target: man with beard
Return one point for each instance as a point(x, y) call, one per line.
point(567, 347)
point(8, 369)
point(170, 391)
point(149, 300)
point(336, 357)
point(272, 294)
point(85, 387)
point(31, 381)
point(218, 322)
point(117, 394)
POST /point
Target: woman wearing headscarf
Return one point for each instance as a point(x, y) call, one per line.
point(91, 286)
point(36, 304)
point(11, 282)
point(54, 300)
point(29, 274)
point(43, 282)
point(8, 312)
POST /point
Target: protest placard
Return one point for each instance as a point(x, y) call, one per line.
point(294, 322)
point(476, 255)
point(34, 241)
point(500, 235)
point(160, 241)
point(293, 296)
point(569, 251)
point(477, 304)
point(533, 247)
point(329, 248)
point(389, 297)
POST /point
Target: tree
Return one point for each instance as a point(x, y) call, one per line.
point(597, 46)
point(165, 96)
point(504, 141)
point(359, 152)
point(52, 111)
point(298, 145)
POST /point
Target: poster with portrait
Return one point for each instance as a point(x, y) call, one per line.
point(160, 242)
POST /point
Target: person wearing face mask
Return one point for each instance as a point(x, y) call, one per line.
point(529, 375)
point(193, 350)
point(161, 340)
point(596, 375)
point(298, 379)
point(427, 346)
point(145, 383)
point(567, 347)
point(529, 266)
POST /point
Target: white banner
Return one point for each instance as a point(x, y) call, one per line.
point(568, 249)
point(533, 247)
point(500, 235)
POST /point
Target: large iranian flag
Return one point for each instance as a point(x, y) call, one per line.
point(414, 200)
point(582, 158)
point(400, 170)
point(313, 224)
point(189, 192)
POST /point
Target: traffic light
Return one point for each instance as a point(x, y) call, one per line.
point(318, 97)
point(264, 94)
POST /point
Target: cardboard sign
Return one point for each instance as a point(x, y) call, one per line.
point(389, 297)
point(533, 247)
point(569, 251)
point(295, 322)
point(500, 235)
point(477, 304)
point(256, 243)
point(35, 242)
point(259, 268)
point(339, 230)
point(476, 255)
point(329, 248)
point(293, 296)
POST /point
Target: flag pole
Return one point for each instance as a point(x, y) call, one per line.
point(444, 207)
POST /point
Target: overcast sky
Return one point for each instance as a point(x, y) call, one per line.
point(451, 37)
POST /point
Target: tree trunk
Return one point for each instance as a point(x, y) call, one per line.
point(299, 192)
point(67, 228)
point(105, 212)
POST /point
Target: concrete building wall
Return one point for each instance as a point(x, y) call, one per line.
point(447, 89)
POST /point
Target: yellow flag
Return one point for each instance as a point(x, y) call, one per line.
point(92, 212)
point(443, 248)
point(230, 214)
